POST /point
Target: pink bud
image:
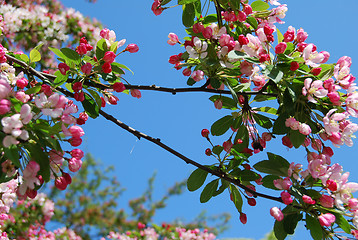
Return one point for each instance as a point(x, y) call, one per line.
point(86, 69)
point(63, 67)
point(74, 164)
point(327, 219)
point(79, 96)
point(197, 75)
point(243, 40)
point(287, 142)
point(326, 201)
point(208, 33)
point(61, 183)
point(304, 129)
point(5, 106)
point(301, 35)
point(331, 185)
point(187, 72)
point(136, 93)
point(21, 83)
point(132, 48)
point(243, 218)
point(316, 71)
point(205, 133)
point(276, 213)
point(75, 142)
point(251, 201)
point(76, 131)
point(67, 177)
point(227, 146)
point(106, 67)
point(118, 87)
point(198, 27)
point(242, 16)
point(218, 104)
point(326, 56)
point(280, 48)
point(77, 153)
point(109, 57)
point(294, 66)
point(308, 199)
point(286, 198)
point(77, 86)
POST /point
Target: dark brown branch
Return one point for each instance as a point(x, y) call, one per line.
point(102, 86)
point(139, 135)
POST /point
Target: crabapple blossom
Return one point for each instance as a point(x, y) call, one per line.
point(132, 48)
point(86, 68)
point(312, 57)
point(118, 87)
point(286, 198)
point(313, 88)
point(197, 75)
point(198, 50)
point(173, 39)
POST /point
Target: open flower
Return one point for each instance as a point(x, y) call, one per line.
point(313, 88)
point(199, 49)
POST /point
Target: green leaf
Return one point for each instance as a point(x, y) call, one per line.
point(96, 97)
point(259, 6)
point(33, 90)
point(276, 165)
point(41, 158)
point(242, 134)
point(236, 55)
point(342, 223)
point(188, 15)
point(217, 149)
point(222, 188)
point(326, 72)
point(222, 125)
point(215, 82)
point(24, 58)
point(290, 222)
point(296, 138)
point(60, 78)
point(233, 93)
point(35, 55)
point(279, 126)
point(266, 110)
point(252, 21)
point(267, 181)
point(247, 175)
point(228, 103)
point(210, 19)
point(182, 2)
point(71, 55)
point(208, 191)
point(315, 228)
point(262, 120)
point(279, 230)
point(12, 153)
point(121, 66)
point(236, 197)
point(90, 106)
point(275, 74)
point(196, 179)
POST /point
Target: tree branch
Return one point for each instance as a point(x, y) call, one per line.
point(139, 135)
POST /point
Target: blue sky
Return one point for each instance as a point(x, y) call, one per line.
point(178, 119)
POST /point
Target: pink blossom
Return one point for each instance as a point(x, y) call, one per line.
point(317, 168)
point(22, 83)
point(312, 57)
point(198, 50)
point(173, 39)
point(76, 131)
point(286, 141)
point(106, 67)
point(327, 219)
point(290, 34)
point(314, 88)
point(282, 184)
point(301, 35)
point(276, 213)
point(253, 48)
point(156, 8)
point(326, 56)
point(118, 87)
point(77, 153)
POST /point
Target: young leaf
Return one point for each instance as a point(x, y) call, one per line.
point(182, 2)
point(196, 179)
point(35, 55)
point(208, 191)
point(121, 66)
point(24, 58)
point(259, 5)
point(57, 52)
point(71, 55)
